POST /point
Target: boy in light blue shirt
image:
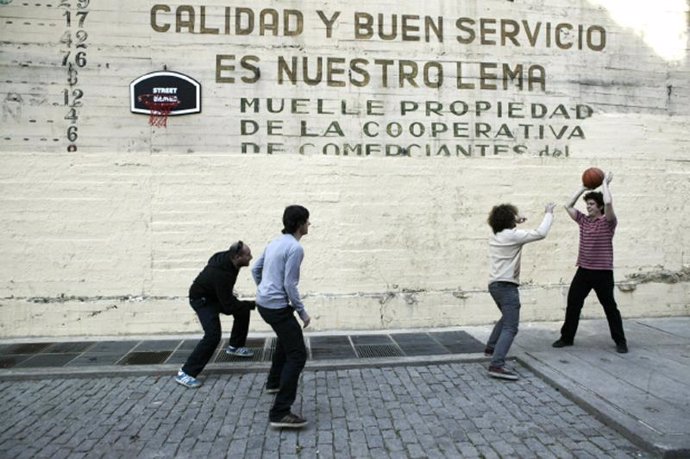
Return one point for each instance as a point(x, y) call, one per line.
point(276, 274)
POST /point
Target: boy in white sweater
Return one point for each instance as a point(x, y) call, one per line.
point(505, 250)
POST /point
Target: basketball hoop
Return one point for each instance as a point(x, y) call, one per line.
point(159, 107)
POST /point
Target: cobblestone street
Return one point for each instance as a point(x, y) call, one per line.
point(441, 410)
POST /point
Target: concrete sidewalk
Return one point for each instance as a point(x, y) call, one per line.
point(644, 394)
point(440, 405)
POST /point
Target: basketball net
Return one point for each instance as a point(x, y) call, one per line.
point(159, 108)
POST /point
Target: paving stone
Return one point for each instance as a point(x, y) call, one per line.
point(325, 450)
point(358, 444)
point(486, 452)
point(377, 453)
point(449, 410)
point(467, 449)
point(393, 443)
point(415, 451)
point(578, 454)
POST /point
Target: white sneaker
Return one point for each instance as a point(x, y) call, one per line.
point(187, 381)
point(239, 351)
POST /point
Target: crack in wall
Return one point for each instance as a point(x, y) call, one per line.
point(96, 313)
point(662, 275)
point(659, 275)
point(85, 299)
point(410, 296)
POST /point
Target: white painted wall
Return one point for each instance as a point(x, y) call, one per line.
point(106, 239)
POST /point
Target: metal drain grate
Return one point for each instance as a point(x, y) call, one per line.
point(458, 342)
point(145, 358)
point(269, 348)
point(176, 352)
point(26, 348)
point(367, 351)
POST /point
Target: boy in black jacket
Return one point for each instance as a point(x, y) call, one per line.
point(212, 293)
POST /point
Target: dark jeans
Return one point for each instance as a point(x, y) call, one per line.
point(601, 281)
point(289, 358)
point(208, 314)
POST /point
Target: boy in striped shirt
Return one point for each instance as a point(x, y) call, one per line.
point(595, 264)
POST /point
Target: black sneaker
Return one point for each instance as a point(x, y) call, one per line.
point(561, 343)
point(488, 352)
point(502, 373)
point(272, 390)
point(290, 421)
point(622, 348)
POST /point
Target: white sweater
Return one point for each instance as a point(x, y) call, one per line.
point(505, 249)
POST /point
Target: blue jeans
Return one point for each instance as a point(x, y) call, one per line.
point(507, 298)
point(289, 358)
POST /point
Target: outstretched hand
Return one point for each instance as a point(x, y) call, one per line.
point(549, 208)
point(608, 177)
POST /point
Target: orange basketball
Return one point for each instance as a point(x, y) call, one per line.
point(592, 177)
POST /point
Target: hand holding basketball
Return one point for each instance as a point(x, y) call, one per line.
point(592, 177)
point(608, 177)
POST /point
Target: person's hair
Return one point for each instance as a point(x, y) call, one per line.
point(502, 217)
point(294, 217)
point(595, 196)
point(236, 249)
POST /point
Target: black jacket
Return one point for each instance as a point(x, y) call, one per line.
point(216, 282)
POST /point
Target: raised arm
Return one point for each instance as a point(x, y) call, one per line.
point(525, 236)
point(570, 205)
point(608, 199)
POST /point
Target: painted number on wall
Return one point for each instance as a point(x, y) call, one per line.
point(74, 58)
